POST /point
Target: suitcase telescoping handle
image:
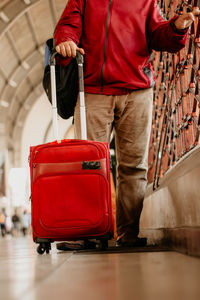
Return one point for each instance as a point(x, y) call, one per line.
point(80, 60)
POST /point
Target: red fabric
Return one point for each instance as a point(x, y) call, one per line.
point(68, 201)
point(134, 29)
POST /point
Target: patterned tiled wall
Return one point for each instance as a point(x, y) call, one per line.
point(176, 115)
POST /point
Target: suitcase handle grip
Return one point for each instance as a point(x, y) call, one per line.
point(79, 57)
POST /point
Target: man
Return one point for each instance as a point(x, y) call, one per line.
point(26, 222)
point(117, 38)
point(16, 223)
point(3, 222)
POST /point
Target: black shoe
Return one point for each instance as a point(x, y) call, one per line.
point(75, 245)
point(137, 242)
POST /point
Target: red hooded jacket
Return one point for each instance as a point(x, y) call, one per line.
point(118, 38)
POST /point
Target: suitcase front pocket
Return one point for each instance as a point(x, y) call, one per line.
point(70, 197)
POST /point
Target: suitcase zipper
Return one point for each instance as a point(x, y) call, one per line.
point(34, 164)
point(36, 152)
point(40, 147)
point(105, 42)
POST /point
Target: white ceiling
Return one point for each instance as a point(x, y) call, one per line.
point(25, 25)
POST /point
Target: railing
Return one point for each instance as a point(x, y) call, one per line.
point(176, 114)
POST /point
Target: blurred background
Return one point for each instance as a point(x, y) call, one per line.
point(25, 113)
point(25, 119)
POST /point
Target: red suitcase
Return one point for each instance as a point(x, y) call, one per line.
point(70, 187)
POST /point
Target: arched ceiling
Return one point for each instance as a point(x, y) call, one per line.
point(25, 25)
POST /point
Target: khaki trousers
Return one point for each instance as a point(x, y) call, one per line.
point(130, 116)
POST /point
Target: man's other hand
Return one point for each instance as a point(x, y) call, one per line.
point(69, 49)
point(185, 20)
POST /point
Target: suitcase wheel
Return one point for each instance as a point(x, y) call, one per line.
point(43, 247)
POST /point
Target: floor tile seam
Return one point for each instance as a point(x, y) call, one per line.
point(38, 283)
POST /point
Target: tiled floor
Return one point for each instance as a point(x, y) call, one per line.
point(26, 275)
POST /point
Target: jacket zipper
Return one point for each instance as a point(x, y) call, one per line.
point(104, 59)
